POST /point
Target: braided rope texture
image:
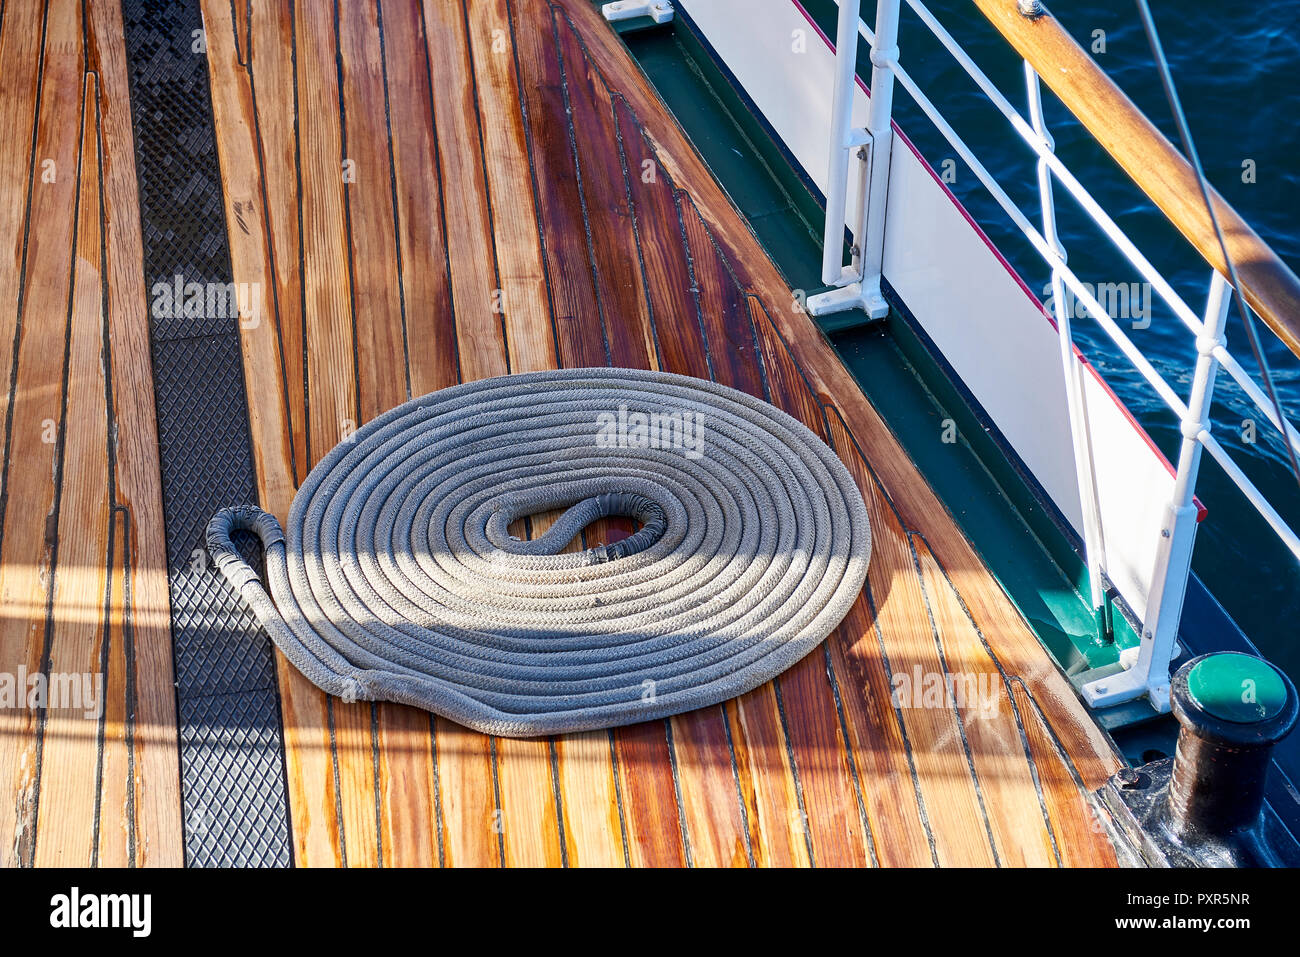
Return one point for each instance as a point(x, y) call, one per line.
point(397, 578)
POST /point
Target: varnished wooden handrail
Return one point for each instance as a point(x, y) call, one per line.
point(1158, 169)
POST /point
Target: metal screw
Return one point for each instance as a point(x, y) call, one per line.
point(1032, 9)
point(1128, 778)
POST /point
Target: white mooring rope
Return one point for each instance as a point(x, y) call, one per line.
point(397, 579)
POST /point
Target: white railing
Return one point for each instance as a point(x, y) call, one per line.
point(859, 286)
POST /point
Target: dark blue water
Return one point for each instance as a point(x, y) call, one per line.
point(1238, 75)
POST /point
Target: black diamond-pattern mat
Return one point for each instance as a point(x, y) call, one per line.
point(233, 743)
point(231, 750)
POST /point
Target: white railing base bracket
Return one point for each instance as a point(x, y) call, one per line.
point(847, 298)
point(1148, 672)
point(660, 11)
point(1128, 686)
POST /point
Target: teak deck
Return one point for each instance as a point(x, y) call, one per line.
point(428, 194)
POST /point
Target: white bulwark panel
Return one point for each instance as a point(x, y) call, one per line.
point(989, 326)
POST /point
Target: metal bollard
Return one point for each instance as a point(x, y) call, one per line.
point(1205, 806)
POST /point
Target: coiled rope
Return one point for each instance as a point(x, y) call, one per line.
point(397, 579)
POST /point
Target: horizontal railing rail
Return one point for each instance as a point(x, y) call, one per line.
point(1267, 284)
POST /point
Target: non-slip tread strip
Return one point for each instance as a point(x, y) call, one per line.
point(231, 748)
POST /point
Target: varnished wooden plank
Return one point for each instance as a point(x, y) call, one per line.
point(116, 822)
point(529, 821)
point(309, 769)
point(20, 58)
point(777, 824)
point(471, 818)
point(582, 305)
point(252, 258)
point(649, 795)
point(528, 771)
point(408, 811)
point(37, 424)
point(716, 826)
point(469, 232)
point(524, 302)
point(576, 313)
point(581, 774)
point(714, 816)
point(70, 752)
point(767, 780)
point(645, 758)
point(307, 746)
point(270, 80)
point(430, 324)
point(663, 249)
point(894, 807)
point(156, 799)
point(948, 789)
point(355, 759)
point(812, 714)
point(998, 752)
point(332, 399)
point(368, 184)
point(608, 213)
point(723, 309)
point(530, 828)
point(527, 780)
point(607, 227)
point(407, 784)
point(1080, 835)
point(712, 795)
point(530, 782)
point(593, 827)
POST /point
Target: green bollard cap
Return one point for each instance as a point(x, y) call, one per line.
point(1236, 687)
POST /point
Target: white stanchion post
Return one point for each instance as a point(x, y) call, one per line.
point(859, 284)
point(1149, 673)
